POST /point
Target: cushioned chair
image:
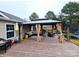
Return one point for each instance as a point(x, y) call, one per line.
point(3, 46)
point(7, 44)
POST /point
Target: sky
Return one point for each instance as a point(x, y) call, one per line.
point(24, 8)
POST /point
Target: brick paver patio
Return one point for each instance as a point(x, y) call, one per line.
point(48, 47)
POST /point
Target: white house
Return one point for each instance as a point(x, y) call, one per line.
point(10, 26)
point(14, 28)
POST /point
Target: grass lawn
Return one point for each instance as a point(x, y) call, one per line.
point(75, 41)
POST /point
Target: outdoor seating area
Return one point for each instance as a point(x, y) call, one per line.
point(31, 33)
point(42, 33)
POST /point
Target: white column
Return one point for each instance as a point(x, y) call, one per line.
point(21, 27)
point(17, 31)
point(31, 28)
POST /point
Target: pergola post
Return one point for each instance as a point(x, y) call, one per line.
point(41, 27)
point(52, 27)
point(21, 27)
point(59, 29)
point(31, 28)
point(38, 28)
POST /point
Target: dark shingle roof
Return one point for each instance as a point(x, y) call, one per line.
point(12, 17)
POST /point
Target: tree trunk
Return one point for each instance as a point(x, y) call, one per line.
point(68, 34)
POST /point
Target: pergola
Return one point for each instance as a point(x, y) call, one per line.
point(40, 22)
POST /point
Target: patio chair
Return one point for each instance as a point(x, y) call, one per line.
point(8, 42)
point(51, 34)
point(5, 45)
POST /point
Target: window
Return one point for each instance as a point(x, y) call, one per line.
point(10, 30)
point(9, 27)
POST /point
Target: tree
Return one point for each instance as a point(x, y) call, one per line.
point(71, 9)
point(50, 15)
point(33, 16)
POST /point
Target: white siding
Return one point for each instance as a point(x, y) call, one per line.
point(3, 29)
